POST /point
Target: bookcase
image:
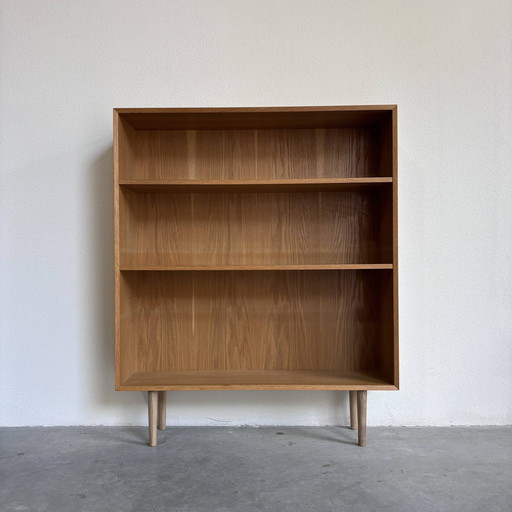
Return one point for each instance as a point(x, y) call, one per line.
point(256, 249)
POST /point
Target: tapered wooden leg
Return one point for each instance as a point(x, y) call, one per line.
point(162, 406)
point(361, 417)
point(353, 409)
point(152, 416)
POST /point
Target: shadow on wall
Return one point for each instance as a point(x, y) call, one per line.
point(105, 402)
point(102, 240)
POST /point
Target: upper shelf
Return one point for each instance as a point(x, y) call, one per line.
point(277, 185)
point(243, 118)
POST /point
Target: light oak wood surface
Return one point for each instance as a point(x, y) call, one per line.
point(300, 228)
point(341, 266)
point(273, 320)
point(254, 154)
point(254, 379)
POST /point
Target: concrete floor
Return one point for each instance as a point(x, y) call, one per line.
point(197, 469)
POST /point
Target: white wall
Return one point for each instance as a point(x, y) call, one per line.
point(65, 64)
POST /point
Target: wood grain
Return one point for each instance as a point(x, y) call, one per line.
point(311, 228)
point(260, 185)
point(254, 154)
point(254, 379)
point(274, 320)
point(124, 159)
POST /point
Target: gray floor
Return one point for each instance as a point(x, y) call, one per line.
point(261, 469)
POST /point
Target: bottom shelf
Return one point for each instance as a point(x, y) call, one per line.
point(256, 379)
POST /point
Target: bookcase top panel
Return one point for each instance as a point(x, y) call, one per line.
point(254, 117)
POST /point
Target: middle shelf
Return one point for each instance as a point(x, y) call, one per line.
point(257, 185)
point(342, 266)
point(283, 230)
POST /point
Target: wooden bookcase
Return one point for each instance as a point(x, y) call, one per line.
point(256, 248)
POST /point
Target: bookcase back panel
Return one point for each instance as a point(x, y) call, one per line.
point(255, 154)
point(255, 228)
point(270, 320)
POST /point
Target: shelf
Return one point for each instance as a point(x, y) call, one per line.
point(284, 185)
point(272, 230)
point(344, 266)
point(256, 379)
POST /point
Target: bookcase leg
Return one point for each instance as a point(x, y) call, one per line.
point(152, 416)
point(353, 409)
point(361, 417)
point(162, 406)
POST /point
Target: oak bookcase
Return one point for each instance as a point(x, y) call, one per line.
point(256, 248)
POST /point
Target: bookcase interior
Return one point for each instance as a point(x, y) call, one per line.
point(250, 154)
point(315, 323)
point(265, 228)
